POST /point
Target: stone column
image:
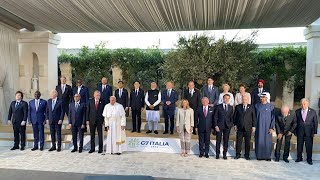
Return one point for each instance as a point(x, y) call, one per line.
point(66, 71)
point(312, 87)
point(43, 46)
point(116, 75)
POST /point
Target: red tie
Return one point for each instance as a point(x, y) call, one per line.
point(97, 102)
point(205, 111)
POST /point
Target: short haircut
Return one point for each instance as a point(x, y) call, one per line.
point(210, 77)
point(242, 85)
point(304, 99)
point(20, 92)
point(63, 77)
point(96, 92)
point(182, 103)
point(136, 81)
point(120, 82)
point(226, 95)
point(226, 85)
point(54, 91)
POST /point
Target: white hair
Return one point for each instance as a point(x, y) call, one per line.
point(54, 91)
point(304, 99)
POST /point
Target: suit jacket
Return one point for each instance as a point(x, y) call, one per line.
point(105, 95)
point(84, 93)
point(55, 114)
point(310, 126)
point(66, 97)
point(213, 95)
point(35, 115)
point(283, 125)
point(77, 117)
point(244, 119)
point(223, 119)
point(137, 101)
point(95, 116)
point(173, 98)
point(19, 113)
point(124, 99)
point(255, 98)
point(194, 100)
point(205, 124)
point(186, 119)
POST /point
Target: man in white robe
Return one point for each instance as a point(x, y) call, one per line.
point(115, 123)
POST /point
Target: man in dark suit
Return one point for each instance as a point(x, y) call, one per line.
point(55, 116)
point(77, 121)
point(286, 122)
point(193, 96)
point(307, 127)
point(82, 90)
point(211, 92)
point(105, 90)
point(18, 114)
point(37, 116)
point(223, 122)
point(244, 119)
point(137, 105)
point(64, 93)
point(204, 126)
point(95, 120)
point(169, 97)
point(122, 96)
point(255, 95)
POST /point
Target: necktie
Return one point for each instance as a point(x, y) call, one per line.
point(53, 104)
point(37, 104)
point(191, 94)
point(244, 108)
point(77, 105)
point(225, 107)
point(137, 92)
point(169, 93)
point(97, 102)
point(17, 104)
point(62, 88)
point(304, 115)
point(205, 111)
point(103, 88)
point(210, 89)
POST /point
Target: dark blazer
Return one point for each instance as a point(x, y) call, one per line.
point(173, 99)
point(213, 96)
point(246, 119)
point(95, 116)
point(56, 114)
point(283, 126)
point(205, 124)
point(137, 101)
point(194, 100)
point(35, 116)
point(223, 119)
point(255, 98)
point(105, 95)
point(77, 117)
point(66, 97)
point(308, 128)
point(19, 114)
point(124, 99)
point(84, 93)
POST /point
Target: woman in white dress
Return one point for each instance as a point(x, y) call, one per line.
point(226, 89)
point(240, 94)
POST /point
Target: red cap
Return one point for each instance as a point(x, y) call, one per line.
point(261, 80)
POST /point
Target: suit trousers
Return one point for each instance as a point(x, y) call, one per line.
point(286, 147)
point(223, 133)
point(93, 129)
point(247, 139)
point(75, 131)
point(38, 134)
point(168, 116)
point(204, 142)
point(55, 130)
point(136, 116)
point(308, 142)
point(19, 132)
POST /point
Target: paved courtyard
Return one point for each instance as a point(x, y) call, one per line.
point(156, 165)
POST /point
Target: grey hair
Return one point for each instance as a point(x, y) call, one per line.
point(304, 99)
point(96, 92)
point(54, 91)
point(113, 97)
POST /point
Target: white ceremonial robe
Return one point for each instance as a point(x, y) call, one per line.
point(114, 117)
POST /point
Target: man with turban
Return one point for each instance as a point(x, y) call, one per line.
point(256, 93)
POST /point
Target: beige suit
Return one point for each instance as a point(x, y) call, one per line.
point(185, 119)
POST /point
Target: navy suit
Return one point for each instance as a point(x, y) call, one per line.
point(255, 98)
point(305, 131)
point(224, 120)
point(17, 114)
point(37, 117)
point(136, 103)
point(84, 93)
point(212, 95)
point(54, 115)
point(66, 96)
point(105, 95)
point(77, 118)
point(169, 110)
point(205, 125)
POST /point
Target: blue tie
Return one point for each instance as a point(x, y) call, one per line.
point(17, 104)
point(53, 104)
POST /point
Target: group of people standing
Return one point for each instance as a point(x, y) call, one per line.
point(201, 112)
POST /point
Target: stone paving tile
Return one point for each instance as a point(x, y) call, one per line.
point(156, 165)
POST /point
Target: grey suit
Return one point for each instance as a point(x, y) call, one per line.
point(212, 95)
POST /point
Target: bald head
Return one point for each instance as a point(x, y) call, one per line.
point(285, 110)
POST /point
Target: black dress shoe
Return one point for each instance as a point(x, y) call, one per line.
point(91, 151)
point(165, 132)
point(14, 148)
point(200, 155)
point(52, 149)
point(248, 158)
point(59, 149)
point(217, 157)
point(33, 149)
point(133, 131)
point(237, 157)
point(100, 151)
point(118, 153)
point(268, 159)
point(139, 131)
point(22, 148)
point(286, 160)
point(80, 150)
point(149, 132)
point(310, 162)
point(74, 150)
point(225, 157)
point(156, 132)
point(171, 132)
point(298, 160)
point(207, 155)
point(276, 160)
point(41, 149)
